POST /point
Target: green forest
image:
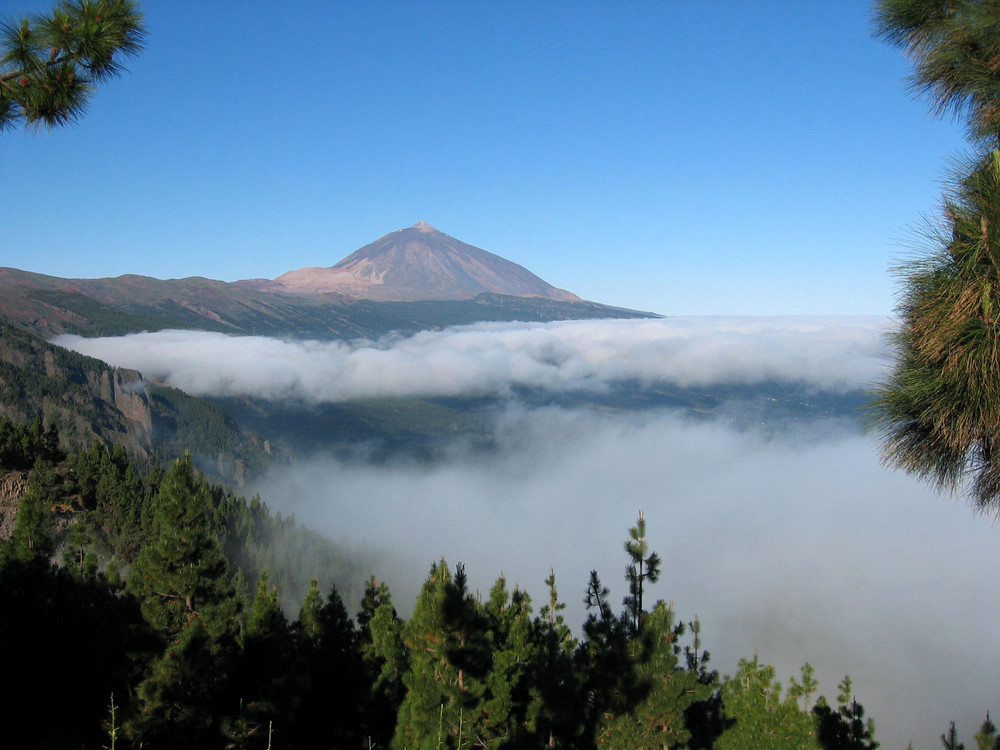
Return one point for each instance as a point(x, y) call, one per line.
point(150, 609)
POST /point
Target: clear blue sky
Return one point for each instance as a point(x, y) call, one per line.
point(742, 157)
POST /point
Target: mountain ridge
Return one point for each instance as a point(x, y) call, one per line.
point(50, 305)
point(412, 264)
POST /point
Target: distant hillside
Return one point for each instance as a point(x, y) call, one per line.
point(409, 280)
point(86, 400)
point(49, 305)
point(417, 263)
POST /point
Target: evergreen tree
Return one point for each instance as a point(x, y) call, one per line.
point(950, 739)
point(50, 63)
point(554, 707)
point(269, 680)
point(642, 567)
point(502, 719)
point(34, 535)
point(955, 49)
point(182, 581)
point(380, 634)
point(442, 691)
point(663, 691)
point(761, 718)
point(187, 697)
point(602, 660)
point(986, 737)
point(704, 717)
point(846, 727)
point(330, 714)
point(60, 631)
point(937, 412)
point(182, 569)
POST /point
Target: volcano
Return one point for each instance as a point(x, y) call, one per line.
point(416, 263)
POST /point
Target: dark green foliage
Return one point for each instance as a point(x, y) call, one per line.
point(117, 499)
point(193, 661)
point(642, 567)
point(34, 535)
point(182, 570)
point(384, 660)
point(844, 728)
point(986, 737)
point(270, 678)
point(955, 47)
point(332, 663)
point(937, 413)
point(58, 631)
point(950, 739)
point(22, 445)
point(553, 705)
point(50, 62)
point(187, 698)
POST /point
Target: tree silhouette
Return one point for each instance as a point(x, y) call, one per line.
point(50, 63)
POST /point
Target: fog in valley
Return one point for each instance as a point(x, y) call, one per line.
point(786, 539)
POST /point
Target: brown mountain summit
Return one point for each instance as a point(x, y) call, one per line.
point(417, 263)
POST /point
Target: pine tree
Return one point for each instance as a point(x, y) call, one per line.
point(602, 660)
point(654, 716)
point(950, 739)
point(182, 569)
point(555, 694)
point(844, 728)
point(33, 537)
point(643, 566)
point(330, 714)
point(182, 581)
point(50, 63)
point(380, 634)
point(269, 680)
point(937, 411)
point(439, 686)
point(986, 737)
point(502, 718)
point(761, 718)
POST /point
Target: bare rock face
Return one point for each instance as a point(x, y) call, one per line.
point(418, 263)
point(13, 485)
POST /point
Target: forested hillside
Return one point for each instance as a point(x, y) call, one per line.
point(85, 399)
point(165, 593)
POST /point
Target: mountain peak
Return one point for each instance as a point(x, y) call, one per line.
point(417, 263)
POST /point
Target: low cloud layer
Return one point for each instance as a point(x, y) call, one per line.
point(795, 546)
point(800, 548)
point(489, 358)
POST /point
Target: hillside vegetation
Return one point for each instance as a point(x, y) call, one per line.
point(85, 400)
point(168, 591)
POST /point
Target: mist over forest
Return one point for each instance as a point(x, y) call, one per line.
point(787, 539)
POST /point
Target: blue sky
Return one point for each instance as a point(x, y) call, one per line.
point(687, 158)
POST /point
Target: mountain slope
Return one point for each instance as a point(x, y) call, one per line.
point(417, 263)
point(409, 280)
point(48, 306)
point(87, 400)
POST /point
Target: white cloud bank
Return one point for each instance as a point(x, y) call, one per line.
point(799, 547)
point(830, 353)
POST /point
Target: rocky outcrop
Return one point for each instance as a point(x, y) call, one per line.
point(13, 485)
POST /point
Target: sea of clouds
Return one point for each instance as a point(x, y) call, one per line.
point(490, 358)
point(797, 545)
